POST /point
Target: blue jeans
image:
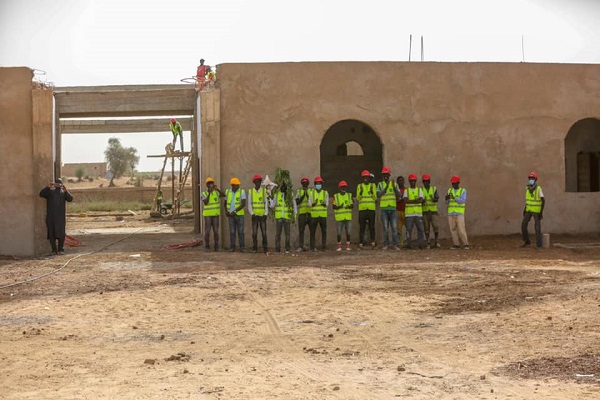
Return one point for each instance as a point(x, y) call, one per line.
point(410, 222)
point(236, 223)
point(389, 218)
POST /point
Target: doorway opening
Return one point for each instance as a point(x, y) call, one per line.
point(582, 156)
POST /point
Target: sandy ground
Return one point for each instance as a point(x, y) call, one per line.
point(123, 318)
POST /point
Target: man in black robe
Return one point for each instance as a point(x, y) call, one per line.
point(56, 196)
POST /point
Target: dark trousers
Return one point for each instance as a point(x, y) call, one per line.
point(410, 222)
point(537, 224)
point(303, 222)
point(211, 223)
point(236, 223)
point(61, 244)
point(366, 217)
point(259, 221)
point(322, 222)
point(282, 224)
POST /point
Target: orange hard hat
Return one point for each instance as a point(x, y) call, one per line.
point(318, 179)
point(386, 170)
point(257, 177)
point(173, 120)
point(426, 177)
point(365, 173)
point(412, 177)
point(234, 181)
point(342, 184)
point(455, 179)
point(533, 175)
point(304, 179)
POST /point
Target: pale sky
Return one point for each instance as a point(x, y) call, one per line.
point(108, 42)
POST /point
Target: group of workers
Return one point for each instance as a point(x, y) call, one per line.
point(400, 206)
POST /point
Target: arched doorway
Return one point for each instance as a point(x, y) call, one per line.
point(582, 156)
point(347, 148)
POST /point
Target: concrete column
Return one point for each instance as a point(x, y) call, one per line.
point(210, 162)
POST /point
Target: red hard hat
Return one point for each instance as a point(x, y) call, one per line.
point(365, 173)
point(426, 177)
point(343, 183)
point(256, 177)
point(412, 177)
point(318, 179)
point(533, 175)
point(455, 179)
point(304, 179)
point(173, 120)
point(386, 170)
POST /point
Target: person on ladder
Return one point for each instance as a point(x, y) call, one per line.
point(176, 130)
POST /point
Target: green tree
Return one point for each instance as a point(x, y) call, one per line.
point(79, 173)
point(119, 159)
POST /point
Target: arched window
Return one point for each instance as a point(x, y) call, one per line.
point(349, 147)
point(582, 156)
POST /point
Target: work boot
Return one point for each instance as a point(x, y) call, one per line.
point(525, 243)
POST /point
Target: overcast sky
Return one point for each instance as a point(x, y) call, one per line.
point(102, 42)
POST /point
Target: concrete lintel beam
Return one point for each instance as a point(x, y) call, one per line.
point(125, 103)
point(121, 126)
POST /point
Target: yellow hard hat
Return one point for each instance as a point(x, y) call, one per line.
point(209, 179)
point(234, 181)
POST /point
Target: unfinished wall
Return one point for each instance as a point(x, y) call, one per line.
point(25, 162)
point(491, 123)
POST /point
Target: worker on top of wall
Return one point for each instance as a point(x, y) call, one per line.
point(319, 201)
point(456, 198)
point(176, 130)
point(235, 201)
point(430, 210)
point(258, 207)
point(366, 195)
point(413, 198)
point(201, 72)
point(56, 195)
point(387, 191)
point(283, 211)
point(534, 207)
point(211, 211)
point(342, 205)
point(301, 199)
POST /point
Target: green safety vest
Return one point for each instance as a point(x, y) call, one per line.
point(343, 214)
point(237, 198)
point(175, 129)
point(319, 210)
point(366, 201)
point(213, 208)
point(258, 200)
point(429, 205)
point(303, 207)
point(389, 197)
point(533, 200)
point(453, 206)
point(413, 208)
point(281, 206)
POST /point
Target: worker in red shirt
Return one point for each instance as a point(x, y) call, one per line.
point(201, 74)
point(400, 208)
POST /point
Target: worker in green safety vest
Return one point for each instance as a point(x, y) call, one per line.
point(319, 201)
point(456, 198)
point(258, 207)
point(283, 211)
point(342, 205)
point(211, 211)
point(430, 211)
point(534, 208)
point(413, 198)
point(301, 200)
point(366, 196)
point(387, 191)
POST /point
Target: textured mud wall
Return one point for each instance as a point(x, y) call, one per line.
point(491, 123)
point(26, 133)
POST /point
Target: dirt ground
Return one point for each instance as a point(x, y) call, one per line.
point(122, 318)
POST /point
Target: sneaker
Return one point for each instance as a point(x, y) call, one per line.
point(254, 250)
point(467, 247)
point(384, 248)
point(299, 250)
point(455, 248)
point(396, 247)
point(61, 253)
point(232, 249)
point(242, 250)
point(348, 248)
point(437, 245)
point(339, 247)
point(525, 244)
point(428, 246)
point(287, 252)
point(315, 250)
